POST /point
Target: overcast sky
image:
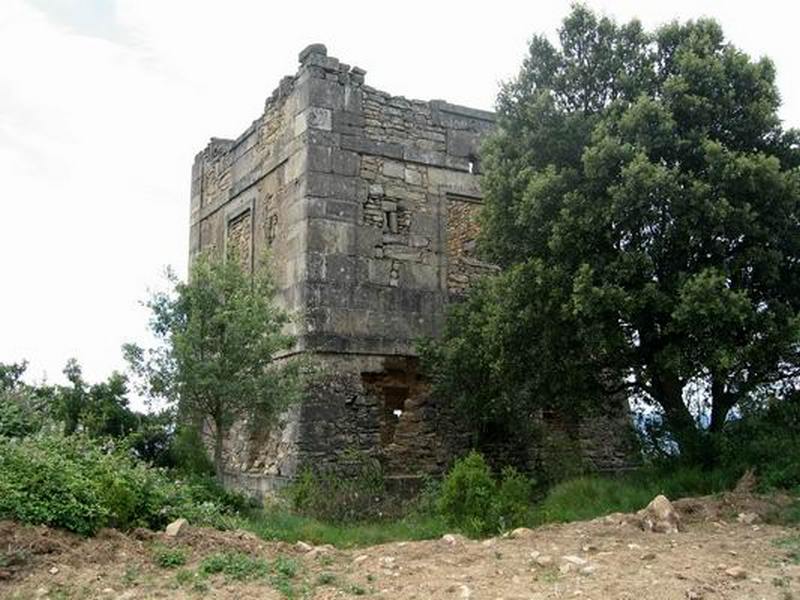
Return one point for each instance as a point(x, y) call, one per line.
point(104, 103)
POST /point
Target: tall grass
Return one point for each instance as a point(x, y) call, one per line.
point(280, 524)
point(576, 499)
point(592, 496)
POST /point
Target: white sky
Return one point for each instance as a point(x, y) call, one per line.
point(104, 103)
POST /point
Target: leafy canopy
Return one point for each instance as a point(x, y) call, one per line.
point(217, 337)
point(642, 199)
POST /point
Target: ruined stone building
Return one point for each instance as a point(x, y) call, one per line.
point(367, 202)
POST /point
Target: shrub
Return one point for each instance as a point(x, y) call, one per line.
point(513, 498)
point(75, 483)
point(234, 565)
point(767, 439)
point(21, 413)
point(468, 494)
point(169, 558)
point(473, 501)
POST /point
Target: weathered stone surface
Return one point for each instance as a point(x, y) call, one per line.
point(368, 204)
point(318, 49)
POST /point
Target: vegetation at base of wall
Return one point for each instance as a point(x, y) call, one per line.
point(472, 500)
point(282, 524)
point(355, 491)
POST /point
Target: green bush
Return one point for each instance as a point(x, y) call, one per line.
point(236, 566)
point(473, 501)
point(22, 413)
point(75, 483)
point(513, 498)
point(766, 438)
point(169, 558)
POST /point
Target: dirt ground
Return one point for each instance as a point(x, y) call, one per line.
point(724, 551)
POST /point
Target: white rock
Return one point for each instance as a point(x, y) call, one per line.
point(303, 547)
point(451, 539)
point(177, 527)
point(660, 516)
point(53, 570)
point(736, 573)
point(520, 532)
point(575, 560)
point(748, 518)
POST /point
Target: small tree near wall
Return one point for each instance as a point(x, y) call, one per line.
point(217, 337)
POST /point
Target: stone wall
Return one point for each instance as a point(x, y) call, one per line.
point(367, 203)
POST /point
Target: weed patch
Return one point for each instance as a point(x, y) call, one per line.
point(169, 558)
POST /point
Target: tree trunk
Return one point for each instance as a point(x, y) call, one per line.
point(721, 404)
point(668, 392)
point(219, 439)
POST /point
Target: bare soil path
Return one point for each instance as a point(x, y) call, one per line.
point(716, 556)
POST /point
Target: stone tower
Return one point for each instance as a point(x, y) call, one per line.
point(367, 202)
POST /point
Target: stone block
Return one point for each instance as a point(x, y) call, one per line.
point(341, 210)
point(341, 268)
point(312, 49)
point(380, 271)
point(377, 148)
point(313, 117)
point(412, 176)
point(393, 169)
point(345, 163)
point(462, 143)
point(319, 158)
point(353, 99)
point(326, 185)
point(419, 276)
point(348, 122)
point(326, 93)
point(331, 236)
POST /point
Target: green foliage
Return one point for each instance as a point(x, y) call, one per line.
point(217, 336)
point(588, 497)
point(24, 409)
point(467, 495)
point(280, 524)
point(791, 545)
point(188, 452)
point(236, 566)
point(21, 413)
point(767, 439)
point(99, 410)
point(473, 501)
point(75, 483)
point(169, 558)
point(642, 199)
point(354, 491)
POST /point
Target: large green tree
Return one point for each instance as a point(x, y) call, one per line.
point(642, 199)
point(217, 336)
